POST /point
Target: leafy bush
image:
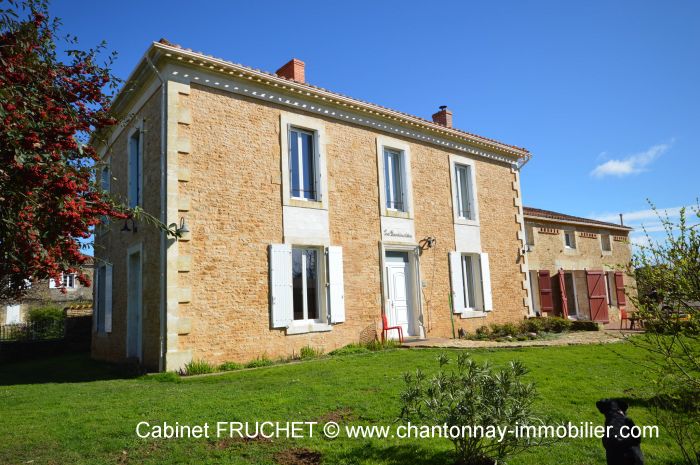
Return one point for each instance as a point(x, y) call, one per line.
point(230, 366)
point(46, 315)
point(578, 325)
point(555, 324)
point(473, 394)
point(259, 362)
point(483, 331)
point(197, 367)
point(532, 325)
point(506, 329)
point(308, 352)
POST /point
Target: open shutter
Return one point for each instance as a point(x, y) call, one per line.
point(336, 292)
point(108, 298)
point(562, 292)
point(486, 282)
point(596, 296)
point(620, 289)
point(281, 298)
point(545, 282)
point(456, 280)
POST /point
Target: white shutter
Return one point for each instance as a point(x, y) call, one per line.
point(486, 282)
point(108, 298)
point(281, 298)
point(336, 292)
point(456, 280)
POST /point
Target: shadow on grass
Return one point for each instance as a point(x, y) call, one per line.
point(398, 455)
point(69, 368)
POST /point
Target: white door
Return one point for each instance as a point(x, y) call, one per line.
point(134, 306)
point(12, 314)
point(398, 297)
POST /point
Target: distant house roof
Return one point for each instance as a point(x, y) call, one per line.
point(530, 212)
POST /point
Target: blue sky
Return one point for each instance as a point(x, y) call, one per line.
point(604, 94)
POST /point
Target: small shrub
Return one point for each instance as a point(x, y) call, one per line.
point(230, 366)
point(45, 315)
point(259, 362)
point(555, 324)
point(198, 367)
point(506, 329)
point(473, 394)
point(584, 326)
point(376, 346)
point(532, 325)
point(482, 331)
point(308, 353)
point(350, 349)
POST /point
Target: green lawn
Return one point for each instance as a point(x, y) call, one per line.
point(72, 410)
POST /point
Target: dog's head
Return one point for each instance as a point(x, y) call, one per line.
point(609, 406)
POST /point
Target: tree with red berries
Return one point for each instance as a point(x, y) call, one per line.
point(49, 109)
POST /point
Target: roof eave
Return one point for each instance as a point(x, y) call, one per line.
point(580, 223)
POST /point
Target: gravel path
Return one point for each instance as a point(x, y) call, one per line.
point(572, 338)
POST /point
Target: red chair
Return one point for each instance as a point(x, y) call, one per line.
point(629, 316)
point(386, 328)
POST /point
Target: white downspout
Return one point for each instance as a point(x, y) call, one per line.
point(163, 212)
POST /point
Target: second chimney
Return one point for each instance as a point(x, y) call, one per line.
point(443, 117)
point(293, 69)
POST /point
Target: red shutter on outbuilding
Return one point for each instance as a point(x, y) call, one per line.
point(545, 284)
point(596, 296)
point(620, 289)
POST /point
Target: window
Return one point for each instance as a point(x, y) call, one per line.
point(529, 234)
point(465, 200)
point(305, 283)
point(469, 280)
point(135, 170)
point(302, 165)
point(67, 280)
point(608, 296)
point(306, 288)
point(103, 298)
point(605, 242)
point(394, 179)
point(570, 239)
point(471, 283)
point(105, 179)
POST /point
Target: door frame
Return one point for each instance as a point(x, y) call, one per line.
point(134, 249)
point(575, 296)
point(413, 273)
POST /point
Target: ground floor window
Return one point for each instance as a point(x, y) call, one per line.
point(471, 282)
point(305, 283)
point(470, 279)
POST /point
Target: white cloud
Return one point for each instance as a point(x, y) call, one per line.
point(640, 216)
point(632, 164)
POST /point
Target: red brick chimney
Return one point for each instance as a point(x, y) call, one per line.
point(443, 117)
point(294, 69)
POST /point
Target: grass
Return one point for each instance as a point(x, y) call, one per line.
point(73, 410)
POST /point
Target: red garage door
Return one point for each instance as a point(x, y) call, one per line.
point(597, 297)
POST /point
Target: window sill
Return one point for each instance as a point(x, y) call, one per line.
point(467, 222)
point(396, 213)
point(473, 314)
point(315, 204)
point(302, 327)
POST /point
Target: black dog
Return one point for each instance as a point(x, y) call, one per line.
point(619, 450)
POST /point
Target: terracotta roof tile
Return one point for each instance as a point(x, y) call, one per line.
point(550, 215)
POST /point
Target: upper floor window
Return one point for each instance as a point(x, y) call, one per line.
point(605, 243)
point(465, 197)
point(67, 280)
point(570, 239)
point(105, 179)
point(135, 170)
point(303, 169)
point(394, 178)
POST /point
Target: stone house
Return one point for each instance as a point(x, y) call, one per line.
point(48, 293)
point(304, 215)
point(578, 266)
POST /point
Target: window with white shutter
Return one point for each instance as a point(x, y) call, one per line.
point(336, 292)
point(281, 295)
point(456, 281)
point(103, 298)
point(470, 278)
point(486, 282)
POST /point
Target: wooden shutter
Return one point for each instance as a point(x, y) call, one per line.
point(336, 292)
point(596, 296)
point(108, 298)
point(281, 297)
point(562, 291)
point(456, 280)
point(486, 282)
point(620, 289)
point(545, 283)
